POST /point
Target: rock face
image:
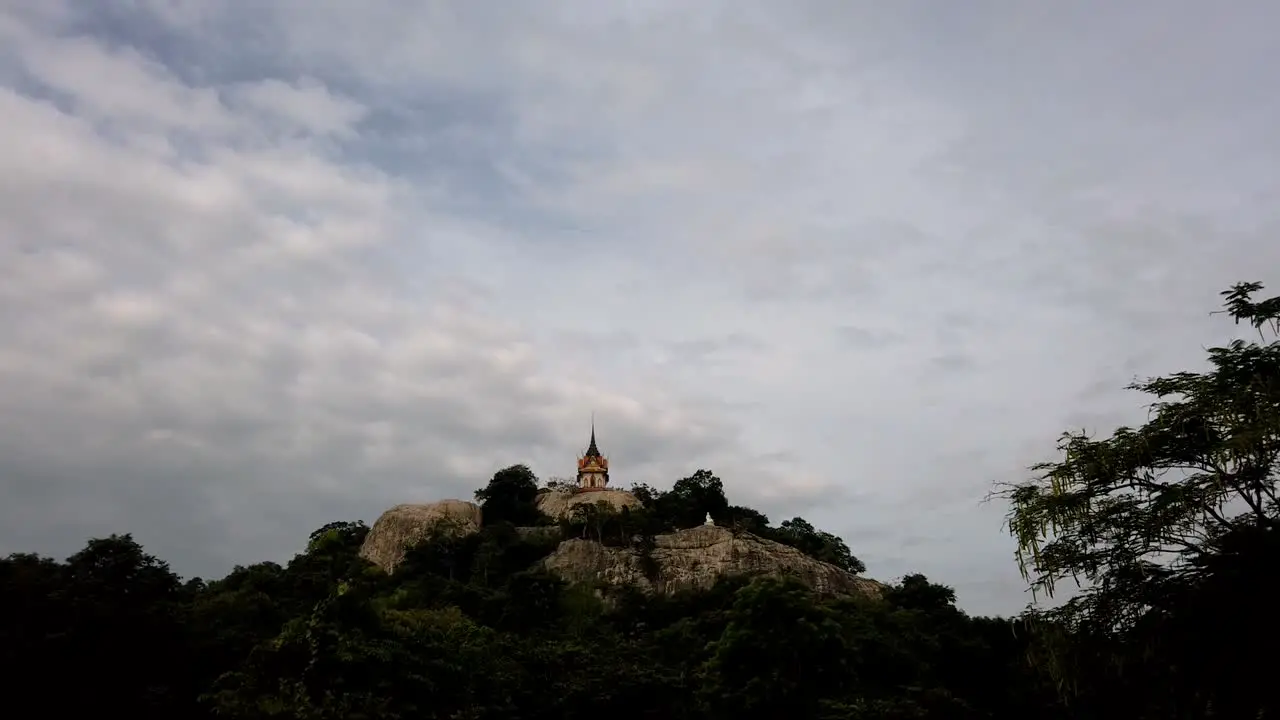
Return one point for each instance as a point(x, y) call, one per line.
point(696, 558)
point(558, 504)
point(404, 525)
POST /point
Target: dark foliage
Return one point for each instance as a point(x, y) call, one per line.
point(471, 627)
point(510, 497)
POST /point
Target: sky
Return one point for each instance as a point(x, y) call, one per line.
point(270, 265)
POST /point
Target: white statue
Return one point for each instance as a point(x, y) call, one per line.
point(709, 520)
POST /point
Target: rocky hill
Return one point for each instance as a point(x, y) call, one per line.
point(696, 558)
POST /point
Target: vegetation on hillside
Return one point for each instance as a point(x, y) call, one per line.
point(1169, 526)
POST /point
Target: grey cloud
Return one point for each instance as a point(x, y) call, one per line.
point(710, 349)
point(868, 337)
point(953, 362)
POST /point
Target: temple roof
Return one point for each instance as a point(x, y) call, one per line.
point(592, 450)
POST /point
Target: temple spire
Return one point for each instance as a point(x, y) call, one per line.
point(592, 450)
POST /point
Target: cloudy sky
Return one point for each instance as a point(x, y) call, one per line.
point(268, 265)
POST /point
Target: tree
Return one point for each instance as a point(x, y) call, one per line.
point(1137, 518)
point(820, 545)
point(745, 519)
point(511, 497)
point(645, 493)
point(121, 632)
point(917, 593)
point(341, 532)
point(341, 660)
point(332, 555)
point(692, 498)
point(779, 655)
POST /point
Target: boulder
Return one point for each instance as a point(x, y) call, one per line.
point(559, 504)
point(696, 558)
point(403, 525)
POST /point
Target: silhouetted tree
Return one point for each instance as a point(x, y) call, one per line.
point(511, 497)
point(1159, 522)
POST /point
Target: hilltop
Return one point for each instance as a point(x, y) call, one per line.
point(610, 538)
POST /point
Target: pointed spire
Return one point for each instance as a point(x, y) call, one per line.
point(592, 450)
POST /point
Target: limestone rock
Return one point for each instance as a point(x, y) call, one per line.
point(558, 503)
point(696, 558)
point(403, 525)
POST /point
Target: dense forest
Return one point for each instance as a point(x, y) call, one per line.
point(1154, 537)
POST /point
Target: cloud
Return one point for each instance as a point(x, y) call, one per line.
point(274, 266)
point(307, 106)
point(869, 338)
